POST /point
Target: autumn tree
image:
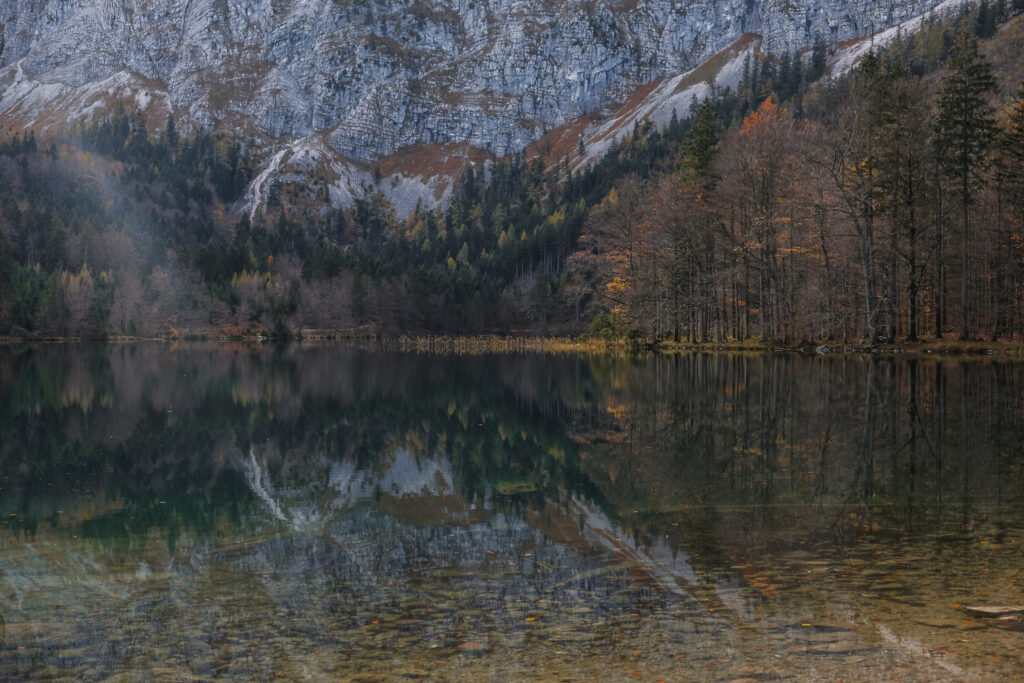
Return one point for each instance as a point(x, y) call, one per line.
point(903, 157)
point(757, 165)
point(611, 241)
point(1011, 150)
point(1010, 247)
point(847, 153)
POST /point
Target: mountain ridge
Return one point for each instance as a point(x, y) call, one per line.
point(390, 74)
point(339, 94)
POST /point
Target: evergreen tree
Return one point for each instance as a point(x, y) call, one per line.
point(702, 141)
point(797, 84)
point(819, 53)
point(985, 20)
point(965, 132)
point(785, 76)
point(171, 134)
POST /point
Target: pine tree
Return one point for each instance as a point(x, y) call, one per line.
point(171, 134)
point(985, 20)
point(785, 75)
point(702, 141)
point(965, 132)
point(819, 53)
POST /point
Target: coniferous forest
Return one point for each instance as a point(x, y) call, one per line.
point(885, 205)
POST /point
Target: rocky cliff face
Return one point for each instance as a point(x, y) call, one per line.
point(377, 76)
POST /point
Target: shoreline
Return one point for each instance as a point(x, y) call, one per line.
point(473, 344)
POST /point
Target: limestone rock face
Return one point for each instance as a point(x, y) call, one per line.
point(377, 76)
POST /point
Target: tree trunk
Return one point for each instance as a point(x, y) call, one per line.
point(870, 298)
point(965, 202)
point(940, 266)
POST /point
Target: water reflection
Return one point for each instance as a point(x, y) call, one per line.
point(330, 512)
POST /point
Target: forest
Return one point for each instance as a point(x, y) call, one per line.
point(882, 206)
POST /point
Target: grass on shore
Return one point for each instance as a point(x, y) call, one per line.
point(946, 347)
point(530, 344)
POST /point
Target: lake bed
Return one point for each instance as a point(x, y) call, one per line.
point(331, 512)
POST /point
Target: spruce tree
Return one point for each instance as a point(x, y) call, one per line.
point(965, 130)
point(985, 20)
point(819, 55)
point(784, 76)
point(702, 141)
point(171, 137)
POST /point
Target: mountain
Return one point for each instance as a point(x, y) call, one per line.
point(343, 87)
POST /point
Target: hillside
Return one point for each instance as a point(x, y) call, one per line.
point(353, 84)
point(648, 218)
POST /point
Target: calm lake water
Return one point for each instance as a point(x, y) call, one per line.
point(335, 513)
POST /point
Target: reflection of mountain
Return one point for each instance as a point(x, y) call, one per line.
point(397, 480)
point(305, 434)
point(422, 493)
point(174, 506)
point(169, 418)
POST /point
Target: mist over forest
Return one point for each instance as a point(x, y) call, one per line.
point(886, 204)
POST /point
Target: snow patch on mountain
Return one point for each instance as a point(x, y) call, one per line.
point(391, 74)
point(310, 158)
point(847, 57)
point(27, 103)
point(671, 96)
point(328, 89)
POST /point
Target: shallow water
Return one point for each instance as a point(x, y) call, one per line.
point(327, 513)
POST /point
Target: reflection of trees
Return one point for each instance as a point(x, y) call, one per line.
point(179, 425)
point(330, 489)
point(724, 445)
point(796, 445)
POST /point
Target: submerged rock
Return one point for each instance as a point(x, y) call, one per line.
point(995, 611)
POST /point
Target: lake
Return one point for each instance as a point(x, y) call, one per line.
point(345, 513)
